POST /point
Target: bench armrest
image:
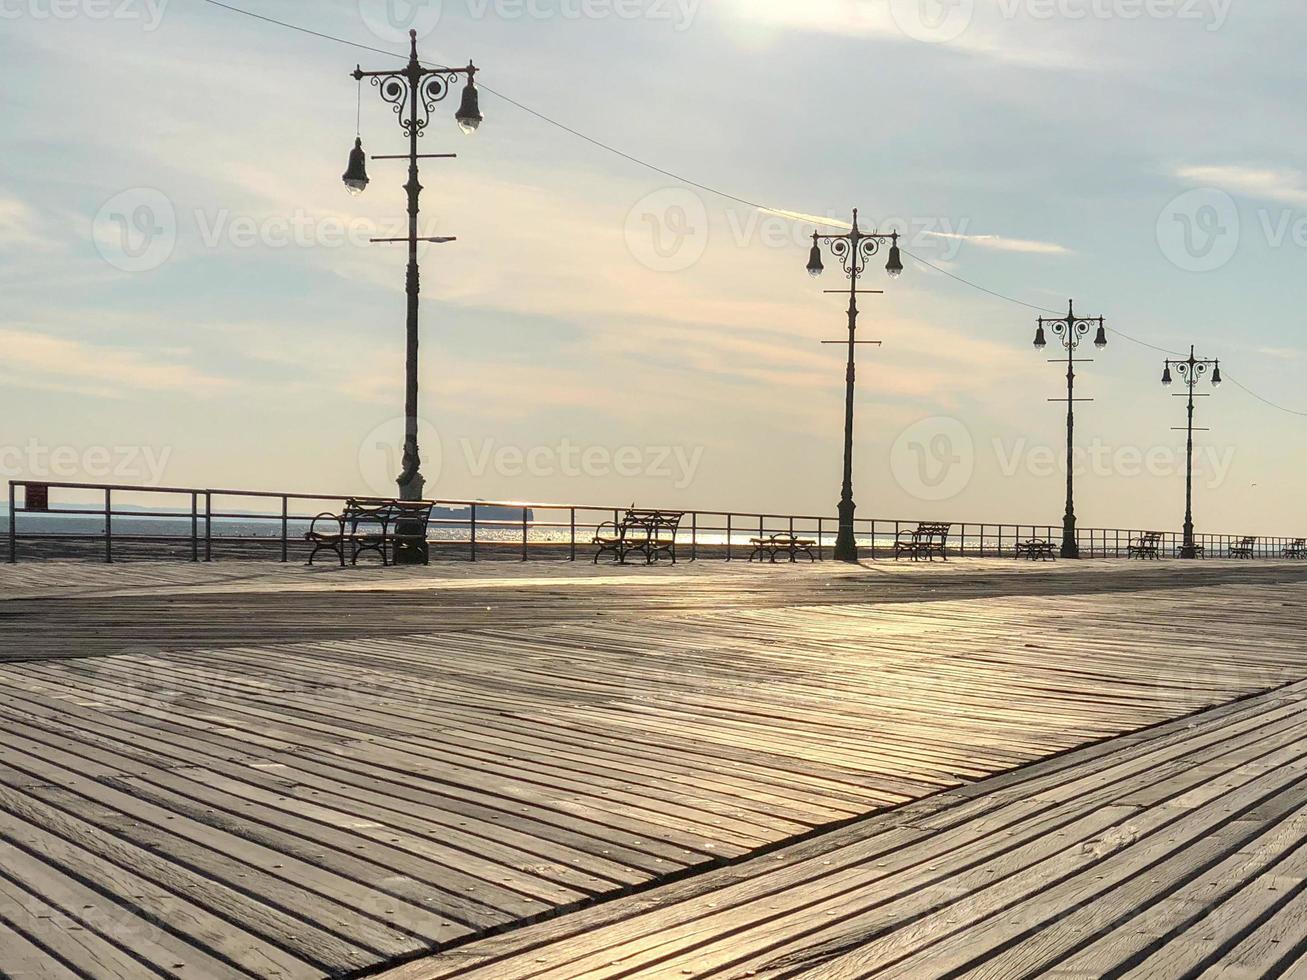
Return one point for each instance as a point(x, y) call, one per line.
point(335, 519)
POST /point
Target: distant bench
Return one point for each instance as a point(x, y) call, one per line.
point(1148, 545)
point(1246, 548)
point(365, 524)
point(651, 533)
point(784, 543)
point(1297, 548)
point(923, 542)
point(1037, 549)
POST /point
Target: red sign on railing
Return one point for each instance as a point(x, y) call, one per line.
point(36, 496)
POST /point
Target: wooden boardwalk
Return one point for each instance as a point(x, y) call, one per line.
point(287, 773)
point(1179, 852)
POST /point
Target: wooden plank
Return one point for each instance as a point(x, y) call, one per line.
point(1218, 827)
point(506, 747)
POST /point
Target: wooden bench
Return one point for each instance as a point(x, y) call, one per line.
point(1200, 551)
point(925, 541)
point(1037, 549)
point(783, 543)
point(1147, 545)
point(1244, 549)
point(366, 524)
point(1297, 548)
point(651, 533)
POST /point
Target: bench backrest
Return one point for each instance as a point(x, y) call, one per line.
point(928, 532)
point(382, 513)
point(1247, 542)
point(655, 523)
point(367, 510)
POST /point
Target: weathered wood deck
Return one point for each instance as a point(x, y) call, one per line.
point(281, 772)
point(1178, 852)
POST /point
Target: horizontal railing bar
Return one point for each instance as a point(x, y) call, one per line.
point(980, 536)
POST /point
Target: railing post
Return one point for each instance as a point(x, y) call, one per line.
point(285, 528)
point(108, 526)
point(195, 526)
point(524, 534)
point(473, 530)
point(694, 536)
point(13, 525)
point(728, 537)
point(573, 547)
point(820, 521)
point(208, 526)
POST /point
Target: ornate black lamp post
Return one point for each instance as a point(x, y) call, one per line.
point(854, 250)
point(1190, 372)
point(1070, 330)
point(413, 92)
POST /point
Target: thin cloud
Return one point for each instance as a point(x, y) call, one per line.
point(861, 20)
point(39, 360)
point(1285, 186)
point(1001, 244)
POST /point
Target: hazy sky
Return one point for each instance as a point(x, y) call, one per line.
point(188, 296)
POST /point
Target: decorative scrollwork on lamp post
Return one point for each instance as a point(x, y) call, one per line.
point(1070, 330)
point(413, 92)
point(854, 249)
point(1191, 371)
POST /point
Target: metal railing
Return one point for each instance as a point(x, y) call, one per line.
point(114, 521)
